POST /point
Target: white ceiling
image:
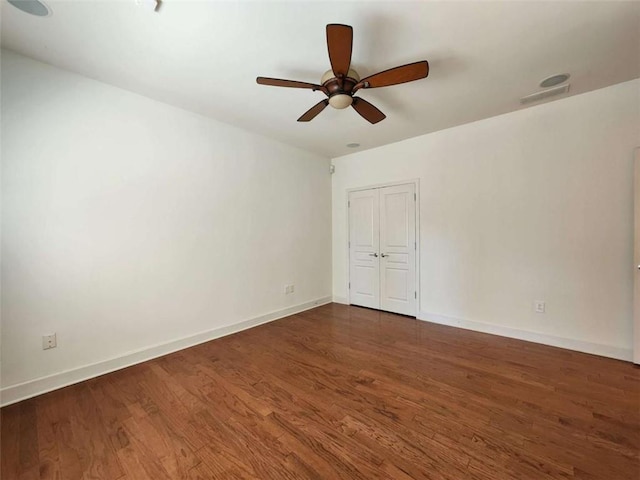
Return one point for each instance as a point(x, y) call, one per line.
point(204, 56)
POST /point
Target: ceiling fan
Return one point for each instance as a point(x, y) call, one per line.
point(340, 83)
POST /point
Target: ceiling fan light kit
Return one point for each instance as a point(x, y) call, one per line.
point(337, 99)
point(340, 100)
point(341, 82)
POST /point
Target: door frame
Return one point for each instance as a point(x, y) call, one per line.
point(636, 258)
point(416, 183)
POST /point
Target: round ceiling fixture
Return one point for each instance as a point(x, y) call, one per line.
point(353, 145)
point(554, 80)
point(340, 100)
point(33, 7)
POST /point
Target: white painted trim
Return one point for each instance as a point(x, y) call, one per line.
point(414, 181)
point(568, 343)
point(636, 256)
point(22, 391)
point(342, 300)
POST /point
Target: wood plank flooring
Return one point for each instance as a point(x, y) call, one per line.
point(339, 392)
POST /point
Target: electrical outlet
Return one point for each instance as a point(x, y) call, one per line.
point(286, 289)
point(292, 288)
point(49, 341)
point(539, 306)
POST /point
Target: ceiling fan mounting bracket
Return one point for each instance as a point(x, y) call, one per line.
point(360, 85)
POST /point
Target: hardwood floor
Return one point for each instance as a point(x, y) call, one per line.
point(339, 392)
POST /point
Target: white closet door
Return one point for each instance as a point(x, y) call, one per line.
point(398, 249)
point(364, 242)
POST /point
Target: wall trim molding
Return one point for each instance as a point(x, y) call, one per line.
point(342, 300)
point(22, 391)
point(570, 344)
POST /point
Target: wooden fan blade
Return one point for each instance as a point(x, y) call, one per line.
point(313, 111)
point(277, 82)
point(394, 76)
point(367, 110)
point(339, 44)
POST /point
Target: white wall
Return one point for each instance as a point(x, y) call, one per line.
point(531, 205)
point(128, 223)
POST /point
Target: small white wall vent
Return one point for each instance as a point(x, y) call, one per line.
point(550, 92)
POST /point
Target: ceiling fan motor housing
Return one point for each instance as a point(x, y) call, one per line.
point(340, 91)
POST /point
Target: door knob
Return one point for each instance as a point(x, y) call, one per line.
point(373, 254)
point(383, 255)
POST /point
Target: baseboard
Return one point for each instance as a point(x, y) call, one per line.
point(342, 300)
point(22, 391)
point(568, 343)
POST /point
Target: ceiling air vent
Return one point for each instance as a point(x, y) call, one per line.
point(549, 92)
